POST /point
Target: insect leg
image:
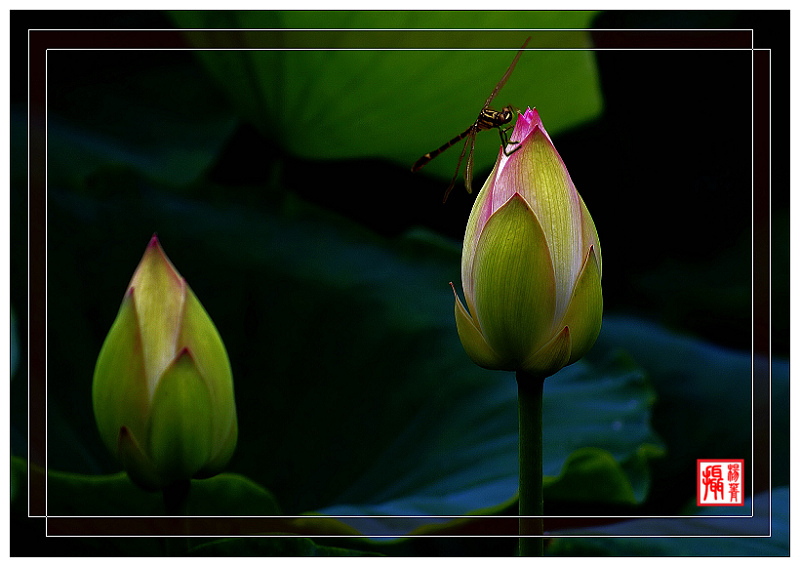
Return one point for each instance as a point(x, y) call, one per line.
point(505, 141)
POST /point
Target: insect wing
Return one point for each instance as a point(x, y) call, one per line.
point(507, 74)
point(470, 138)
point(468, 172)
point(471, 132)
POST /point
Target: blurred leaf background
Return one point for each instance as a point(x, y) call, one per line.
point(279, 185)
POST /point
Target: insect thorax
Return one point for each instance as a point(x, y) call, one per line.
point(490, 118)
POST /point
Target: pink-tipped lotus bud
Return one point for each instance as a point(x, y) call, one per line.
point(531, 265)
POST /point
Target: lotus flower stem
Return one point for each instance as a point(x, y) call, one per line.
point(531, 502)
point(533, 302)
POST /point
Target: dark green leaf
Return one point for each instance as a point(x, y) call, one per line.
point(347, 366)
point(602, 410)
point(115, 495)
point(332, 103)
point(162, 117)
point(272, 547)
point(226, 494)
point(706, 397)
point(771, 519)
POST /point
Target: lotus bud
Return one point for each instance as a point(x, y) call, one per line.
point(162, 389)
point(531, 264)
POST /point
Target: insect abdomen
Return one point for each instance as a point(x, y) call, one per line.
point(429, 156)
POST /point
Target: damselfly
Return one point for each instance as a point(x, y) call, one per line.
point(487, 119)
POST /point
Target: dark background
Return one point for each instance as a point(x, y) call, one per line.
point(670, 157)
point(693, 175)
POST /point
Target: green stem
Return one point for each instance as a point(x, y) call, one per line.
point(531, 502)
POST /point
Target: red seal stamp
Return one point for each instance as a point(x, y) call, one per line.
point(720, 482)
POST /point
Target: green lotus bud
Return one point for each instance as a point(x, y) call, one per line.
point(162, 390)
point(531, 264)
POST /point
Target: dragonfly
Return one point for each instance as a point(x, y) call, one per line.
point(488, 118)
